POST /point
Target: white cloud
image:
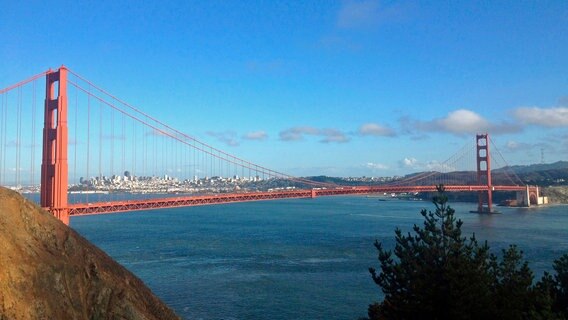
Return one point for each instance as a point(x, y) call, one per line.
point(255, 135)
point(409, 162)
point(438, 166)
point(376, 166)
point(545, 117)
point(333, 135)
point(460, 122)
point(373, 129)
point(297, 133)
point(157, 132)
point(414, 164)
point(328, 135)
point(515, 146)
point(228, 137)
point(531, 148)
point(512, 145)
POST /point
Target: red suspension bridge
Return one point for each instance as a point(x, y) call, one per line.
point(112, 157)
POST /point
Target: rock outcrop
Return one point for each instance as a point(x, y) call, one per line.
point(556, 194)
point(48, 271)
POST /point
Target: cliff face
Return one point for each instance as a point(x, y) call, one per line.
point(557, 194)
point(48, 271)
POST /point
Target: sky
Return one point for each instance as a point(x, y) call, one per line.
point(340, 88)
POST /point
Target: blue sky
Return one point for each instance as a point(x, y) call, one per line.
point(340, 88)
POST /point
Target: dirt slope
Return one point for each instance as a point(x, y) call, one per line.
point(48, 271)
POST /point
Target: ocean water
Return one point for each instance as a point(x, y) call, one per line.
point(292, 259)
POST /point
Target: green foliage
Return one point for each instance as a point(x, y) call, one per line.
point(559, 286)
point(436, 273)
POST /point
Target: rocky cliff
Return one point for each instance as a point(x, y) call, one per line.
point(48, 271)
point(556, 194)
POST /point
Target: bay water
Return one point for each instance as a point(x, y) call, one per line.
point(293, 259)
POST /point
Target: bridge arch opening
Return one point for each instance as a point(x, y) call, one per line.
point(533, 198)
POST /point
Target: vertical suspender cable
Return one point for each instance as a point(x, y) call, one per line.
point(5, 142)
point(76, 142)
point(112, 139)
point(100, 145)
point(32, 161)
point(174, 159)
point(144, 151)
point(134, 142)
point(19, 138)
point(123, 138)
point(162, 142)
point(184, 161)
point(155, 155)
point(88, 137)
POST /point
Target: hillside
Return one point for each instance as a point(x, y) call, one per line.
point(549, 174)
point(48, 271)
point(556, 194)
point(519, 169)
point(546, 174)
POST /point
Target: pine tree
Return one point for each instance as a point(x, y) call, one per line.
point(436, 273)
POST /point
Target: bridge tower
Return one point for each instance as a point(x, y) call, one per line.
point(54, 167)
point(484, 172)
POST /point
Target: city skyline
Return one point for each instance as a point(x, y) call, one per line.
point(346, 88)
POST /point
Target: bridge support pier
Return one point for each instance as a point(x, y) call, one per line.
point(523, 198)
point(529, 197)
point(54, 166)
point(314, 193)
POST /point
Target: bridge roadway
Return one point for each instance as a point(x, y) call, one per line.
point(187, 201)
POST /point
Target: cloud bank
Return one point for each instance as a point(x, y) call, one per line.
point(327, 135)
point(376, 166)
point(377, 130)
point(255, 135)
point(414, 164)
point(460, 122)
point(228, 137)
point(545, 117)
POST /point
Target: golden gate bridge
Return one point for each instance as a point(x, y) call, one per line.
point(90, 133)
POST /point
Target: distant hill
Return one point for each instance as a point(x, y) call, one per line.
point(550, 174)
point(546, 174)
point(559, 165)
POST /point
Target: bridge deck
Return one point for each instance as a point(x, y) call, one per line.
point(187, 201)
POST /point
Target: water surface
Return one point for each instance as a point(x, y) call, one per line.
point(291, 259)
